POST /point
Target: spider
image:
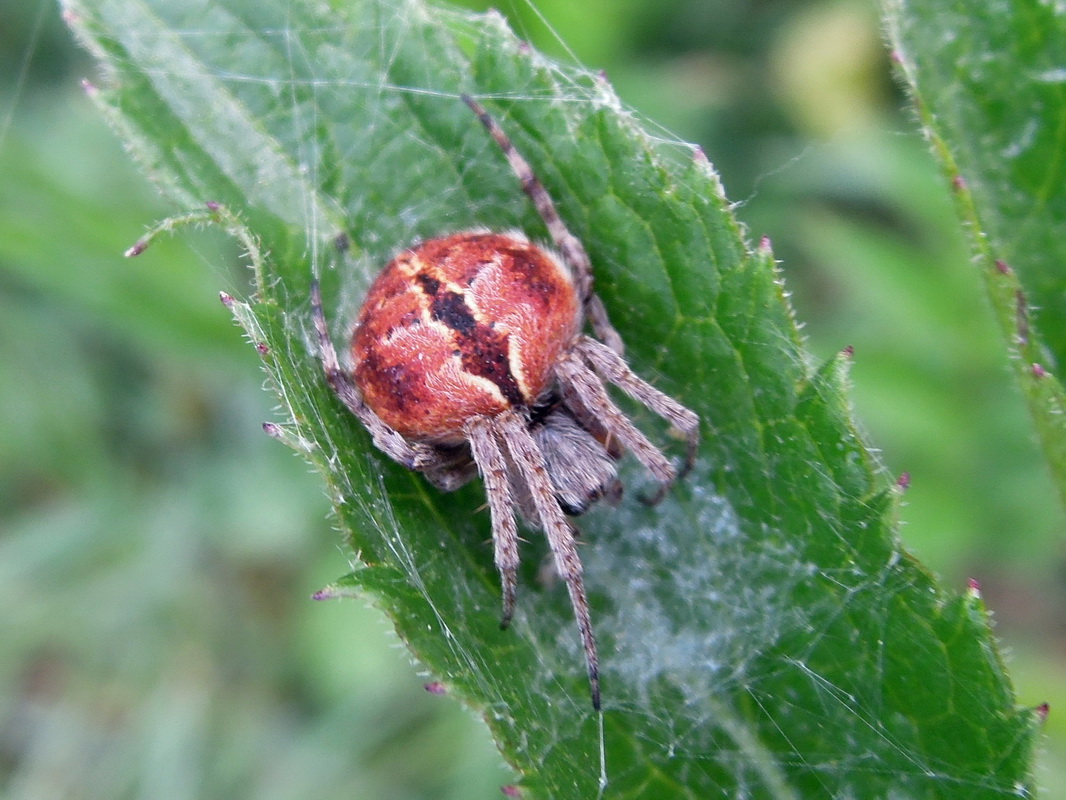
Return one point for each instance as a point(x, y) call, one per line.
point(470, 358)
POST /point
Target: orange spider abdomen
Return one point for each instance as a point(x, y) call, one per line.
point(462, 326)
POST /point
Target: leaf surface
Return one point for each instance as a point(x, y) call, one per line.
point(989, 83)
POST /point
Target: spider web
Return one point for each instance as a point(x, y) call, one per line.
point(761, 633)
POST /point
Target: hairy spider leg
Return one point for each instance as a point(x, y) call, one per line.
point(510, 427)
point(490, 460)
point(577, 379)
point(613, 369)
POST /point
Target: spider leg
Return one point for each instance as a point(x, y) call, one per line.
point(597, 315)
point(527, 459)
point(493, 466)
point(418, 456)
point(579, 380)
point(570, 246)
point(614, 369)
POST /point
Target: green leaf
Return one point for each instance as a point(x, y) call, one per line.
point(761, 632)
point(989, 84)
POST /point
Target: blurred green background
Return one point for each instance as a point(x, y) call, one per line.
point(158, 552)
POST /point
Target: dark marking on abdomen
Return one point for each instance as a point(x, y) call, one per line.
point(483, 351)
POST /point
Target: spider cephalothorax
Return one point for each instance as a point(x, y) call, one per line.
point(469, 357)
